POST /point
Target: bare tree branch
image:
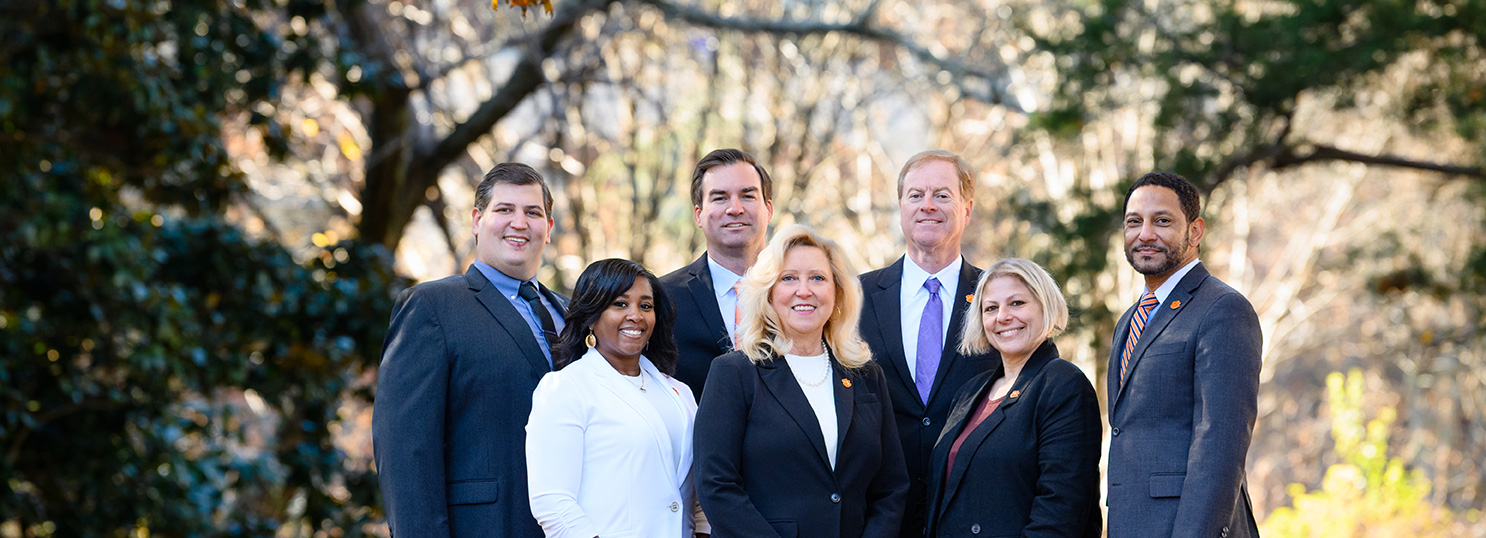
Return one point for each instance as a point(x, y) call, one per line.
point(1308, 153)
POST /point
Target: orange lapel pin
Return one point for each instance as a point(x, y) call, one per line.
point(1176, 304)
point(846, 382)
point(1015, 394)
point(970, 298)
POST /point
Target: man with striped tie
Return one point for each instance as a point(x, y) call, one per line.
point(1183, 380)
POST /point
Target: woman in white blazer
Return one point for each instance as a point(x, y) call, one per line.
point(609, 439)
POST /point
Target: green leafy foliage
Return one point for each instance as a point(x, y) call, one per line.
point(159, 368)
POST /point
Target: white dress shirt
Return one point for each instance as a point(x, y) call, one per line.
point(822, 396)
point(1165, 288)
point(723, 281)
point(915, 296)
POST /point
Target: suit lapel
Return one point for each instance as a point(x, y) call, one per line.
point(888, 300)
point(780, 381)
point(1044, 354)
point(508, 318)
point(700, 286)
point(969, 275)
point(845, 403)
point(1162, 315)
point(1112, 387)
point(607, 377)
point(956, 419)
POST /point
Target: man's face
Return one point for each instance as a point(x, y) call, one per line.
point(1158, 238)
point(733, 214)
point(931, 209)
point(511, 233)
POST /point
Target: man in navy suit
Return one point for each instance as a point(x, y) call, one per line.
point(912, 312)
point(732, 200)
point(462, 358)
point(1183, 380)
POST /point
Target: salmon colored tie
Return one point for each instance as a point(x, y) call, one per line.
point(1137, 324)
point(737, 311)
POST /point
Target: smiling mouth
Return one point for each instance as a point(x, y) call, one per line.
point(632, 333)
point(516, 240)
point(735, 225)
point(803, 308)
point(1009, 332)
point(930, 221)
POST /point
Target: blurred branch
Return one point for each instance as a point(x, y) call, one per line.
point(1308, 153)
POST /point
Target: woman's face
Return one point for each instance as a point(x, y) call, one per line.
point(624, 327)
point(1012, 318)
point(804, 295)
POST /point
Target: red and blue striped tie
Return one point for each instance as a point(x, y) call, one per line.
point(1137, 324)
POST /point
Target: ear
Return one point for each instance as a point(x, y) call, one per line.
point(475, 223)
point(969, 205)
point(548, 239)
point(696, 215)
point(1195, 231)
point(768, 211)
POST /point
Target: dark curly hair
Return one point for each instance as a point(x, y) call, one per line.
point(598, 286)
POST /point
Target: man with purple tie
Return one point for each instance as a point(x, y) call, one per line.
point(912, 311)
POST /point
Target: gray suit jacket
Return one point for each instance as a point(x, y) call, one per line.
point(453, 396)
point(1181, 423)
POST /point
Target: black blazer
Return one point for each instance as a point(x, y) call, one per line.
point(918, 423)
point(1032, 467)
point(1180, 425)
point(701, 334)
point(760, 460)
point(449, 421)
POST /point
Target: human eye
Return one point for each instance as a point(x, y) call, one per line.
point(1163, 221)
point(647, 306)
point(1131, 221)
point(787, 278)
point(990, 308)
point(503, 210)
point(620, 303)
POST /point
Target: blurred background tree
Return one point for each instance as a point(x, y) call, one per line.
point(214, 203)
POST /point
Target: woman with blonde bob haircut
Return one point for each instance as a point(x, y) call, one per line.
point(1019, 454)
point(795, 433)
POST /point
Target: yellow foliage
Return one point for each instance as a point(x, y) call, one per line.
point(1368, 494)
point(523, 4)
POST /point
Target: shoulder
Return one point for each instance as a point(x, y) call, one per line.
point(683, 275)
point(448, 284)
point(1064, 374)
point(875, 276)
point(1219, 300)
point(732, 361)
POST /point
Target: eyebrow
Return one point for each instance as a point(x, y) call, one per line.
point(745, 190)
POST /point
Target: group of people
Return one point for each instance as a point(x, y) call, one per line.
point(766, 389)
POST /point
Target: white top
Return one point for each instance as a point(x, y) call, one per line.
point(822, 397)
point(1170, 284)
point(602, 458)
point(915, 296)
point(658, 392)
point(723, 281)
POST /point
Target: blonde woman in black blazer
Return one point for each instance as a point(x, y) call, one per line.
point(1019, 454)
point(795, 433)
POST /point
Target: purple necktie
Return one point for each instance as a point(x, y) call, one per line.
point(930, 345)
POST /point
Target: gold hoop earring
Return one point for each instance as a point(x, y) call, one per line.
point(591, 340)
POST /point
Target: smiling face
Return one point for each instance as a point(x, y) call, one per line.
point(804, 296)
point(733, 214)
point(624, 327)
point(932, 210)
point(512, 231)
point(1158, 238)
point(1012, 318)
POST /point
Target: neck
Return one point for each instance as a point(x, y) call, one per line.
point(522, 274)
point(1013, 365)
point(1155, 281)
point(737, 260)
point(933, 261)
point(807, 346)
point(629, 366)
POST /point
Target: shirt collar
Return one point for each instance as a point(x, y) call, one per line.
point(723, 280)
point(1165, 288)
point(508, 286)
point(915, 276)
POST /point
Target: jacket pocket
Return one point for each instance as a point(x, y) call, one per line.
point(1167, 484)
point(473, 491)
point(785, 528)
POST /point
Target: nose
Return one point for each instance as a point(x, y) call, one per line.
point(734, 206)
point(1147, 233)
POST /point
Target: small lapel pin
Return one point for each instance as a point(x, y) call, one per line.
point(970, 298)
point(1015, 394)
point(846, 382)
point(1176, 304)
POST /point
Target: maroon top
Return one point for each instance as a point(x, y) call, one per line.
point(986, 407)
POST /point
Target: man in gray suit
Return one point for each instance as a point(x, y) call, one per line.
point(462, 357)
point(1183, 380)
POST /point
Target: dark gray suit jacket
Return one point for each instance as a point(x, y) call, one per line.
point(1180, 426)
point(919, 423)
point(453, 397)
point(701, 334)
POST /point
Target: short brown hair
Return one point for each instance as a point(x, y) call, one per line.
point(511, 174)
point(722, 157)
point(962, 170)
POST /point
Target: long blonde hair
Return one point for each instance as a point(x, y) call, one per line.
point(759, 333)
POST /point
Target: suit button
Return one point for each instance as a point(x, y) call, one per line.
point(927, 421)
point(1225, 532)
point(835, 498)
point(675, 506)
point(1114, 432)
point(975, 529)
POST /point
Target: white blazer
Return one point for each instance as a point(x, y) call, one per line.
point(599, 458)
